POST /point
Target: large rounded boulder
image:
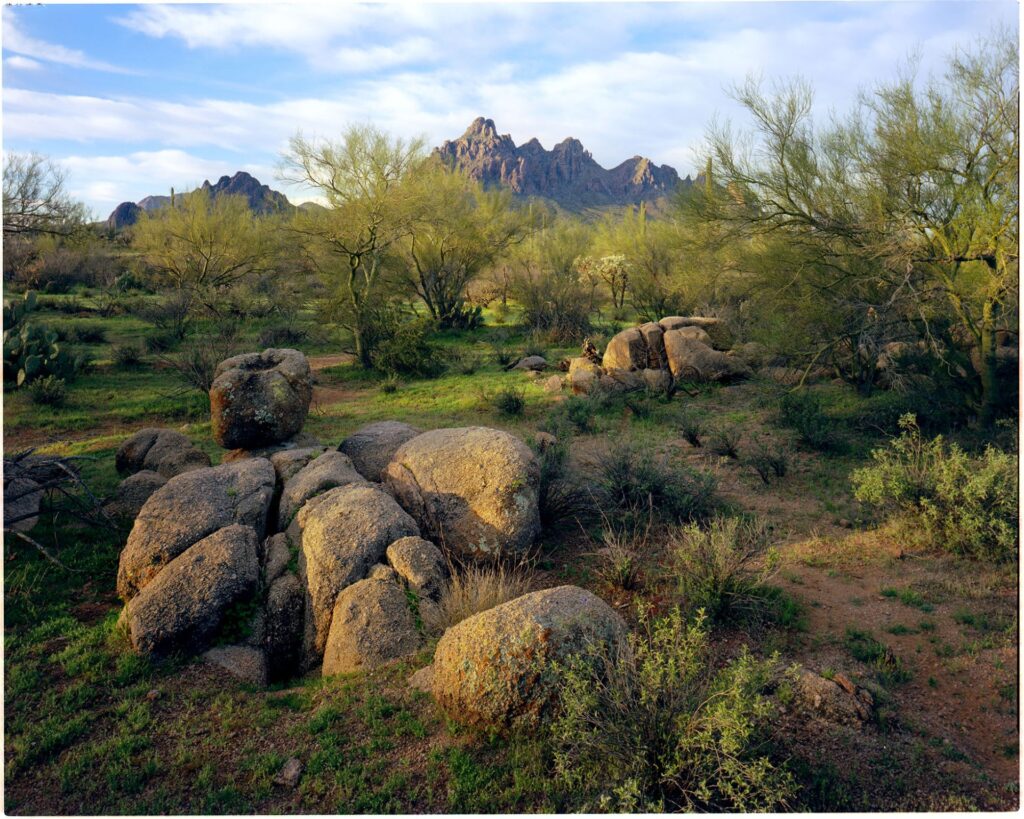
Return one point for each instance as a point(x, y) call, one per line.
point(372, 624)
point(718, 331)
point(473, 489)
point(326, 471)
point(184, 606)
point(341, 535)
point(372, 447)
point(690, 360)
point(493, 670)
point(188, 508)
point(626, 351)
point(259, 399)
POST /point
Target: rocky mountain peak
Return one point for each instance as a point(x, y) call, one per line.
point(567, 173)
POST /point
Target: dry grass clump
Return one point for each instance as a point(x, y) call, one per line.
point(473, 589)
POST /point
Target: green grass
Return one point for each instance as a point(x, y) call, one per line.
point(863, 646)
point(909, 597)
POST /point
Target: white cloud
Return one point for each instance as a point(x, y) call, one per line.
point(106, 181)
point(22, 63)
point(16, 40)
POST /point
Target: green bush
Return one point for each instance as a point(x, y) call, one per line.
point(654, 727)
point(802, 412)
point(632, 480)
point(724, 568)
point(510, 401)
point(33, 350)
point(962, 503)
point(577, 411)
point(88, 334)
point(767, 460)
point(691, 427)
point(127, 356)
point(404, 348)
point(562, 497)
point(48, 391)
point(725, 440)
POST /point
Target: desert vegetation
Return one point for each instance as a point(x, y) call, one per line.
point(717, 503)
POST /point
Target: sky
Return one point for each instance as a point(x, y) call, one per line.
point(135, 99)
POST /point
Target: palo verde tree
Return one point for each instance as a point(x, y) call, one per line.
point(457, 229)
point(201, 245)
point(36, 200)
point(900, 214)
point(364, 178)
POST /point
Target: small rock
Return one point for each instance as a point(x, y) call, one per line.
point(245, 662)
point(290, 773)
point(553, 384)
point(152, 695)
point(545, 440)
point(423, 680)
point(532, 362)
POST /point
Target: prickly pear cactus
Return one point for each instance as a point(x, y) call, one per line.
point(31, 349)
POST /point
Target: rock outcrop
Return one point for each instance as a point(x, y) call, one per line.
point(474, 490)
point(326, 471)
point(492, 670)
point(690, 360)
point(372, 447)
point(259, 399)
point(188, 508)
point(182, 608)
point(165, 451)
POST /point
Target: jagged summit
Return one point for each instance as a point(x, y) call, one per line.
point(567, 173)
point(262, 199)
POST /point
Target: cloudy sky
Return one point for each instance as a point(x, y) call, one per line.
point(136, 99)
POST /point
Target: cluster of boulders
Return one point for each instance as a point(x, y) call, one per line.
point(289, 555)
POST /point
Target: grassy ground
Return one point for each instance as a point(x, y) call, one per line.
point(90, 728)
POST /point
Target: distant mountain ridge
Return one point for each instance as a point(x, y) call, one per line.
point(262, 199)
point(567, 174)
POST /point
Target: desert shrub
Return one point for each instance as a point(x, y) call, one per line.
point(576, 412)
point(767, 461)
point(389, 385)
point(197, 360)
point(474, 589)
point(127, 356)
point(640, 406)
point(725, 440)
point(503, 354)
point(510, 401)
point(691, 427)
point(962, 503)
point(653, 726)
point(48, 391)
point(282, 336)
point(632, 479)
point(161, 341)
point(554, 307)
point(619, 554)
point(88, 334)
point(171, 313)
point(802, 412)
point(32, 349)
point(404, 348)
point(723, 569)
point(562, 496)
point(69, 305)
point(462, 362)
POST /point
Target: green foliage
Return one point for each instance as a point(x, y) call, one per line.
point(127, 356)
point(632, 480)
point(802, 411)
point(864, 647)
point(768, 461)
point(723, 569)
point(652, 726)
point(577, 411)
point(562, 498)
point(691, 427)
point(404, 348)
point(725, 441)
point(48, 391)
point(509, 401)
point(961, 503)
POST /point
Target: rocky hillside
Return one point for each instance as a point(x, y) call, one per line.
point(566, 174)
point(262, 199)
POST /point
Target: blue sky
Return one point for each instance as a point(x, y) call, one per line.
point(135, 99)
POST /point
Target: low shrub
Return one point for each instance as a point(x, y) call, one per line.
point(620, 551)
point(577, 412)
point(724, 568)
point(282, 336)
point(126, 356)
point(198, 358)
point(632, 479)
point(390, 385)
point(510, 401)
point(161, 341)
point(691, 427)
point(562, 496)
point(802, 412)
point(406, 349)
point(88, 334)
point(767, 461)
point(962, 503)
point(653, 726)
point(725, 440)
point(48, 391)
point(474, 589)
